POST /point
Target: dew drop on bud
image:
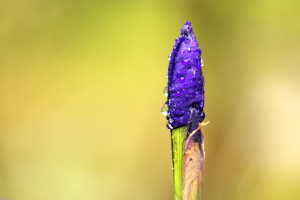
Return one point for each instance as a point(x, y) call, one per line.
point(177, 94)
point(181, 79)
point(202, 62)
point(169, 126)
point(164, 109)
point(166, 91)
point(186, 61)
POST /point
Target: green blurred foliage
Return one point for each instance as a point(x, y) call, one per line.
point(81, 89)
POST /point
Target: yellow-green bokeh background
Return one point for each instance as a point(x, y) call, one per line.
point(81, 89)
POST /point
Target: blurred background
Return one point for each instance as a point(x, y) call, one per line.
point(81, 87)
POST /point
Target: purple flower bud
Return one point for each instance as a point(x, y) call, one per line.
point(185, 81)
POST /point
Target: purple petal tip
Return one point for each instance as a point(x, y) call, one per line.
point(188, 23)
point(187, 28)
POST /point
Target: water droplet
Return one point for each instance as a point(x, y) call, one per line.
point(181, 119)
point(164, 109)
point(170, 126)
point(186, 61)
point(189, 49)
point(169, 57)
point(202, 115)
point(198, 64)
point(181, 79)
point(178, 73)
point(166, 91)
point(177, 94)
point(202, 104)
point(182, 52)
point(202, 62)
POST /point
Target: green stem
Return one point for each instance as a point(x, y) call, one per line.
point(188, 163)
point(178, 136)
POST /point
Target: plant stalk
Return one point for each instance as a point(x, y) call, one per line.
point(178, 136)
point(188, 163)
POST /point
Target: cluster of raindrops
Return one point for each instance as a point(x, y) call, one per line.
point(165, 108)
point(181, 79)
point(185, 80)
